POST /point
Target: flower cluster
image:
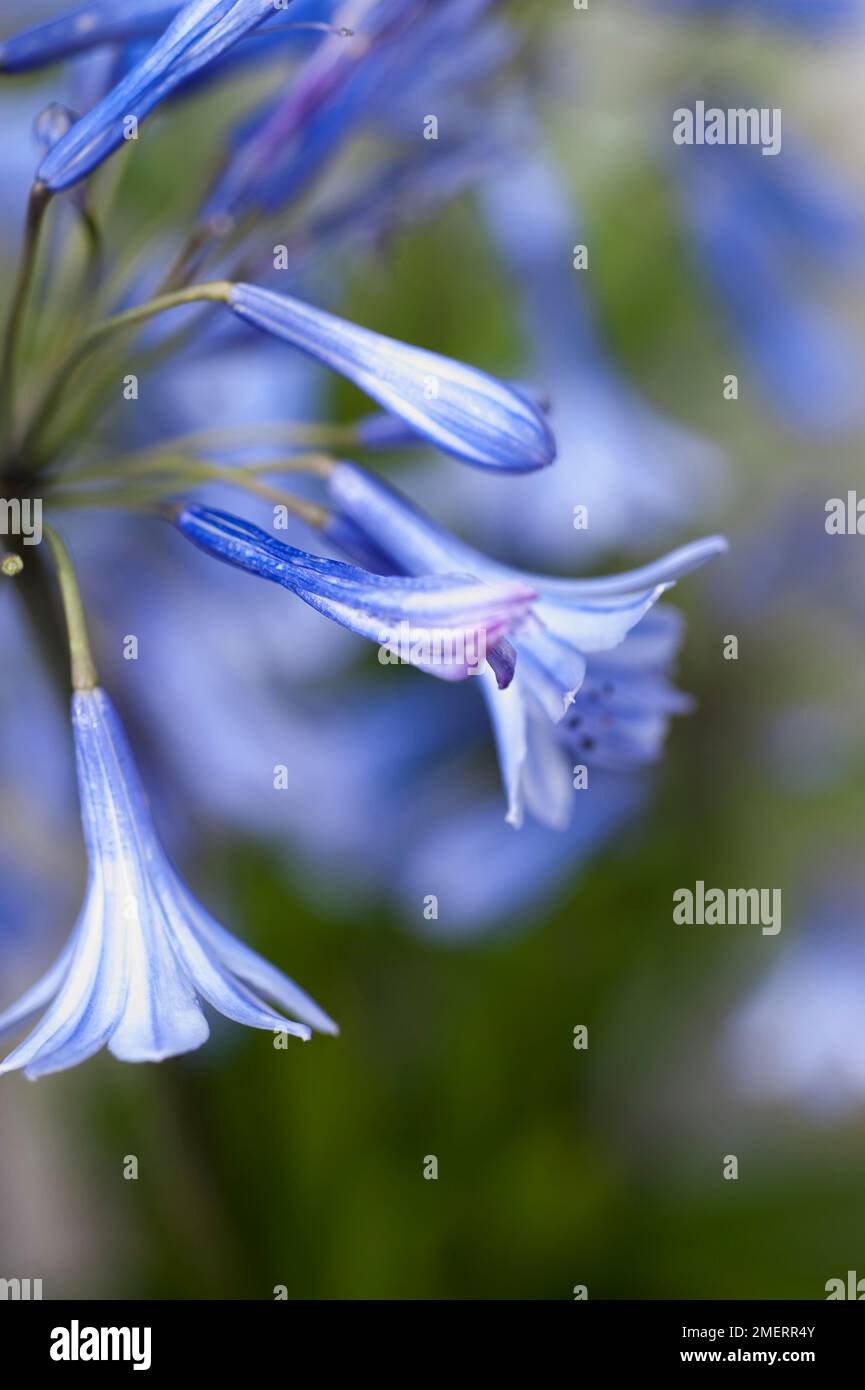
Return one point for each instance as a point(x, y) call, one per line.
point(574, 673)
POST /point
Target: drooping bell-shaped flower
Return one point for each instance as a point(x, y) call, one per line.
point(144, 954)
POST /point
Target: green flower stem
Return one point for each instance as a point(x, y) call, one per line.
point(159, 460)
point(312, 513)
point(84, 674)
point(304, 435)
point(115, 470)
point(181, 475)
point(40, 197)
point(121, 499)
point(216, 291)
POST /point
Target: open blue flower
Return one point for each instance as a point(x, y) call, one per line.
point(571, 623)
point(617, 721)
point(462, 410)
point(445, 623)
point(144, 952)
point(201, 32)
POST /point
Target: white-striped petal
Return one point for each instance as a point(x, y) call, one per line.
point(144, 953)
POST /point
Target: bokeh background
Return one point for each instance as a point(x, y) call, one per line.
point(558, 1167)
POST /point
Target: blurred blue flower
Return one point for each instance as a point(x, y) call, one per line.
point(400, 792)
point(144, 952)
point(377, 79)
point(461, 409)
point(759, 227)
point(637, 474)
point(486, 879)
point(804, 14)
point(276, 151)
point(799, 1036)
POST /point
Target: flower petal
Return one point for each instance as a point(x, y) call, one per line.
point(248, 965)
point(442, 623)
point(201, 32)
point(666, 570)
point(462, 410)
point(600, 624)
point(507, 712)
point(108, 21)
point(161, 1015)
point(39, 995)
point(87, 1005)
point(218, 986)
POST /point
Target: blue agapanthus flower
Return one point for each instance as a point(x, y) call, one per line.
point(144, 953)
point(236, 445)
point(545, 715)
point(586, 682)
